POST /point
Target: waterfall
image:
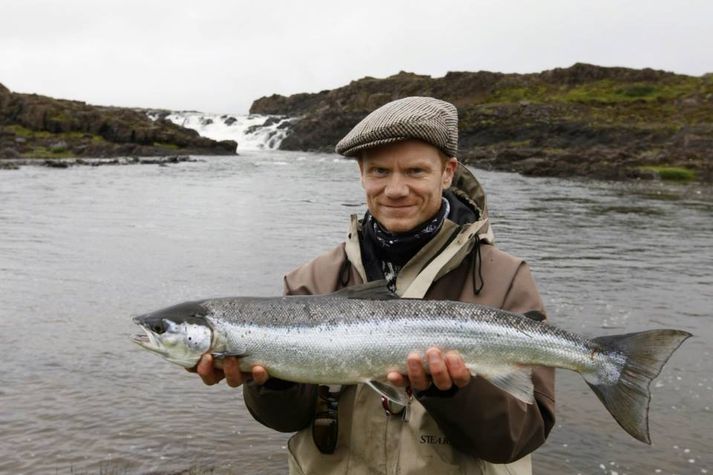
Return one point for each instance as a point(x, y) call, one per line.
point(252, 132)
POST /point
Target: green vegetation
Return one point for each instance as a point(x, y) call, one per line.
point(637, 90)
point(671, 173)
point(519, 143)
point(48, 152)
point(26, 133)
point(60, 117)
point(611, 92)
point(604, 91)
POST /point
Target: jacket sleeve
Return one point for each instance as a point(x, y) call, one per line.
point(486, 422)
point(281, 405)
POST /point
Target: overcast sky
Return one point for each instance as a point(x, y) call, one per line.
point(218, 56)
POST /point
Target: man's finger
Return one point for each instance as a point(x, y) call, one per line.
point(437, 368)
point(460, 374)
point(260, 375)
point(416, 373)
point(396, 378)
point(207, 372)
point(205, 365)
point(231, 368)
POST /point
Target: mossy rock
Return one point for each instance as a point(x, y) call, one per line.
point(671, 173)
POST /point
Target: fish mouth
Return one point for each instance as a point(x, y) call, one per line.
point(141, 339)
point(149, 341)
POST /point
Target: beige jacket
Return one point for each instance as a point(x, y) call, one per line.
point(478, 429)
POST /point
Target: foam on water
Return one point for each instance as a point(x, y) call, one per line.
point(252, 132)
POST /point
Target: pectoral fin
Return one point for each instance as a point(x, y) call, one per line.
point(516, 381)
point(388, 391)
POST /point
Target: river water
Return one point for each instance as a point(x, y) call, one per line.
point(83, 249)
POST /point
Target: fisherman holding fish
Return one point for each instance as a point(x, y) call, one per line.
point(426, 232)
point(415, 346)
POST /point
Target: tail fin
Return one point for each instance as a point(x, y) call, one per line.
point(642, 356)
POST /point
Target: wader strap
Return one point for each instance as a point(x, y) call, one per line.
point(325, 425)
point(352, 249)
point(439, 266)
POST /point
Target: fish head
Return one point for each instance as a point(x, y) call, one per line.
point(181, 334)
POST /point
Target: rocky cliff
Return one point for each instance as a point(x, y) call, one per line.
point(33, 126)
point(583, 120)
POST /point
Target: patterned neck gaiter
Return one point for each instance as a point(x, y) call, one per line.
point(393, 250)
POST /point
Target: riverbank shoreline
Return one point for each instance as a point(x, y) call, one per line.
point(532, 162)
point(590, 163)
point(16, 163)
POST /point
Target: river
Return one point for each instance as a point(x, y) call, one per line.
point(83, 249)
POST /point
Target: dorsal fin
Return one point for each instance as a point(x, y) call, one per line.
point(375, 290)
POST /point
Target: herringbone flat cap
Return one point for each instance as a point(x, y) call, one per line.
point(423, 118)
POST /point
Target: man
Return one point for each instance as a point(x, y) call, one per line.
point(426, 232)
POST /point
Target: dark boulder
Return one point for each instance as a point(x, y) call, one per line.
point(8, 152)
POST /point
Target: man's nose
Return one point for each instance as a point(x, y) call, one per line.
point(396, 187)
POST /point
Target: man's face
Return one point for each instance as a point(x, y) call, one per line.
point(404, 182)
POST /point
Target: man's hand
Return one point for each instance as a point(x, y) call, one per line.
point(445, 371)
point(212, 371)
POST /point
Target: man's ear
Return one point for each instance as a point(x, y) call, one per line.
point(449, 171)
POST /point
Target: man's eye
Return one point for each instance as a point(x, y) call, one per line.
point(416, 171)
point(379, 171)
